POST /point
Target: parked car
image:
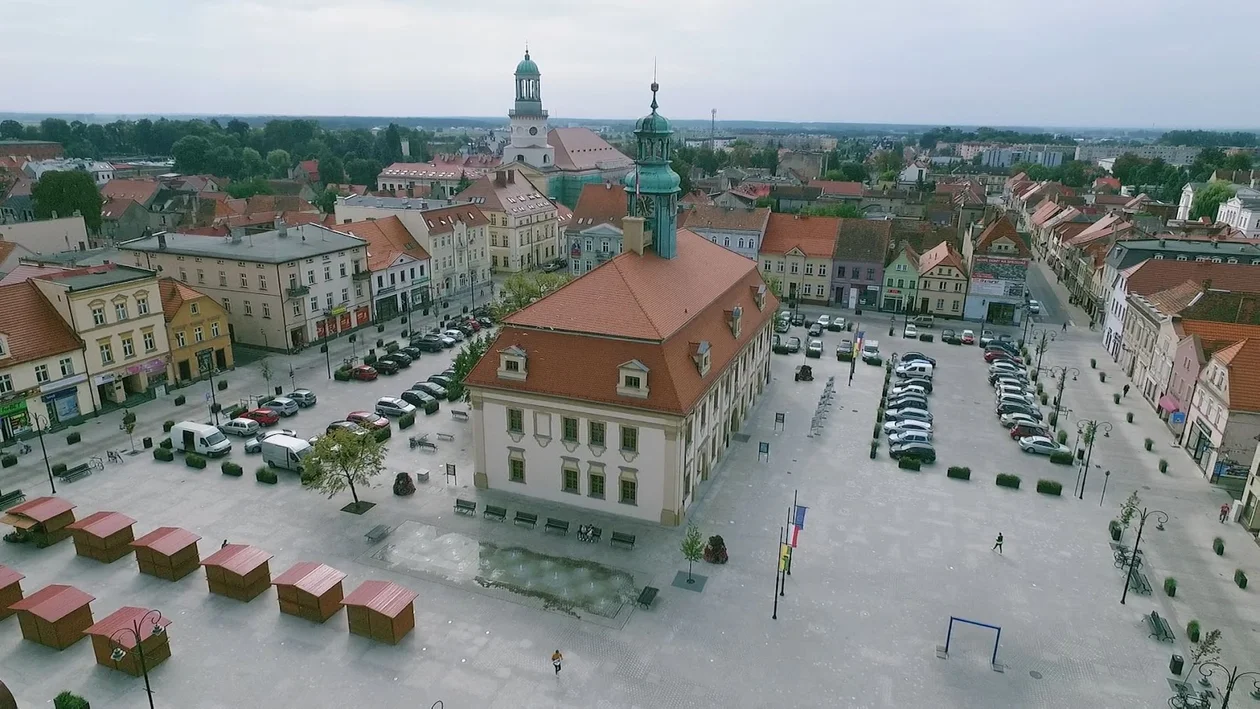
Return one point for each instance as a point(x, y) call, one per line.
point(901, 389)
point(486, 321)
point(922, 451)
point(1030, 412)
point(363, 373)
point(424, 344)
point(815, 330)
point(836, 324)
point(986, 336)
point(782, 326)
point(264, 416)
point(448, 341)
point(1004, 398)
point(919, 369)
point(1024, 430)
point(968, 337)
point(443, 380)
point(240, 427)
point(367, 419)
point(823, 320)
point(386, 366)
point(793, 345)
point(473, 324)
point(917, 357)
point(350, 426)
point(923, 382)
point(1013, 420)
point(844, 350)
point(911, 331)
point(400, 357)
point(390, 406)
point(999, 355)
point(891, 427)
point(303, 397)
point(895, 439)
point(1041, 445)
point(915, 413)
point(435, 390)
point(908, 401)
point(815, 348)
point(282, 405)
point(926, 321)
point(1003, 345)
point(1011, 377)
point(950, 337)
point(1034, 307)
point(870, 353)
point(412, 352)
point(254, 444)
point(455, 334)
point(798, 320)
point(421, 400)
point(1002, 365)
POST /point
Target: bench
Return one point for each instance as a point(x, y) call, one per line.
point(446, 436)
point(622, 538)
point(11, 498)
point(647, 596)
point(82, 470)
point(427, 446)
point(461, 416)
point(378, 532)
point(465, 507)
point(1159, 627)
point(526, 518)
point(498, 513)
point(1123, 558)
point(1138, 582)
point(559, 525)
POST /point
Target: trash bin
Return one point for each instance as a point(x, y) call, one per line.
point(148, 442)
point(1176, 664)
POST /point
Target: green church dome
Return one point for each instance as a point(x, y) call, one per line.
point(652, 180)
point(527, 66)
point(653, 123)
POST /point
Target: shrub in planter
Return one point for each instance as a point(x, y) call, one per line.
point(874, 448)
point(216, 408)
point(391, 346)
point(73, 438)
point(958, 472)
point(875, 433)
point(265, 475)
point(166, 443)
point(8, 460)
point(1049, 487)
point(58, 468)
point(403, 484)
point(193, 460)
point(1240, 578)
point(384, 433)
point(1163, 465)
point(1093, 363)
point(908, 464)
point(715, 550)
point(70, 700)
point(179, 400)
point(222, 385)
point(1040, 389)
point(230, 468)
point(1102, 376)
point(1128, 416)
point(926, 337)
point(1148, 443)
point(369, 360)
point(1113, 528)
point(1115, 398)
point(1054, 419)
point(1034, 378)
point(1008, 480)
point(380, 328)
point(1061, 437)
point(406, 421)
point(128, 418)
point(1193, 630)
point(1218, 546)
point(167, 426)
point(1062, 458)
point(380, 342)
point(1170, 586)
point(165, 455)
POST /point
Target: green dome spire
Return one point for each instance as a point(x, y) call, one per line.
point(653, 124)
point(527, 67)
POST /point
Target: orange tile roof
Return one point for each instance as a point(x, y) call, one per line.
point(442, 220)
point(174, 294)
point(584, 149)
point(736, 218)
point(1154, 275)
point(1173, 300)
point(999, 229)
point(116, 208)
point(139, 191)
point(696, 197)
point(33, 328)
point(813, 236)
point(387, 239)
point(599, 204)
point(941, 254)
point(507, 191)
point(836, 188)
point(1242, 359)
point(641, 308)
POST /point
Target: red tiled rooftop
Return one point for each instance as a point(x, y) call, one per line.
point(604, 203)
point(52, 603)
point(102, 524)
point(813, 236)
point(310, 576)
point(1154, 275)
point(836, 188)
point(42, 509)
point(239, 559)
point(127, 617)
point(32, 326)
point(384, 597)
point(167, 540)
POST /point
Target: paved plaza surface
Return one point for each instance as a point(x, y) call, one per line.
point(886, 557)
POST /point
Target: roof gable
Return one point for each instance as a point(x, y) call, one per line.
point(32, 327)
point(812, 237)
point(584, 149)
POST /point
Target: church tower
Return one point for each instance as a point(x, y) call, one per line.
point(529, 120)
point(652, 189)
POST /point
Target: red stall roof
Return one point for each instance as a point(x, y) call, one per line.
point(103, 524)
point(9, 576)
point(310, 576)
point(127, 617)
point(52, 603)
point(42, 509)
point(239, 559)
point(167, 540)
point(385, 597)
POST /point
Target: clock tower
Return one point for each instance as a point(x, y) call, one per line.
point(529, 120)
point(652, 189)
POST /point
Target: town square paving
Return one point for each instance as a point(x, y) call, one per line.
point(886, 557)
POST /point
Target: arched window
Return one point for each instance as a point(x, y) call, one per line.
point(520, 158)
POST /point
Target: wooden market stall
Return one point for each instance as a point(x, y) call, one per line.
point(238, 571)
point(118, 630)
point(104, 536)
point(381, 610)
point(44, 520)
point(168, 553)
point(55, 615)
point(10, 590)
point(310, 590)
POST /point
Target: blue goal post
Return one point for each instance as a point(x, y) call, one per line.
point(950, 633)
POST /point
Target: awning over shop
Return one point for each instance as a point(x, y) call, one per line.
point(1169, 403)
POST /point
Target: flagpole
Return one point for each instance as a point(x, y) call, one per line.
point(783, 586)
point(791, 512)
point(778, 549)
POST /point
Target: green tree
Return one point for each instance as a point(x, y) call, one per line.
point(327, 200)
point(245, 189)
point(469, 355)
point(10, 130)
point(279, 162)
point(64, 193)
point(1126, 168)
point(854, 172)
point(343, 459)
point(1237, 161)
point(774, 283)
point(1210, 198)
point(843, 209)
point(692, 548)
point(1208, 650)
point(331, 170)
point(521, 289)
point(56, 130)
point(252, 163)
point(888, 161)
point(1129, 509)
point(264, 368)
point(192, 154)
point(362, 171)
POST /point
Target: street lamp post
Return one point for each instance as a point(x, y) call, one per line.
point(1061, 373)
point(1106, 477)
point(136, 627)
point(1162, 516)
point(1230, 676)
point(40, 424)
point(1089, 431)
point(1043, 343)
point(206, 364)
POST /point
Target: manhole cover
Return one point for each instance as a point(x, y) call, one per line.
point(1034, 674)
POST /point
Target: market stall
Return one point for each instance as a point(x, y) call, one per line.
point(44, 521)
point(104, 536)
point(168, 553)
point(55, 615)
point(238, 571)
point(310, 590)
point(381, 610)
point(119, 631)
point(10, 590)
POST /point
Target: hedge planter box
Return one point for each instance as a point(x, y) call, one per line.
point(179, 400)
point(1218, 546)
point(1102, 377)
point(1049, 487)
point(165, 455)
point(266, 475)
point(167, 426)
point(1240, 578)
point(1008, 480)
point(8, 460)
point(193, 460)
point(1193, 630)
point(73, 438)
point(222, 385)
point(1061, 458)
point(958, 472)
point(58, 468)
point(1163, 465)
point(406, 421)
point(908, 464)
point(1170, 586)
point(874, 448)
point(166, 443)
point(1148, 444)
point(230, 468)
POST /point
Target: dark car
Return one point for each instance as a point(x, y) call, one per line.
point(1003, 346)
point(442, 380)
point(917, 357)
point(992, 356)
point(794, 345)
point(836, 325)
point(912, 401)
point(919, 450)
point(1013, 408)
point(412, 352)
point(1023, 430)
point(399, 359)
point(350, 426)
point(950, 337)
point(1019, 377)
point(815, 330)
point(782, 326)
point(780, 345)
point(421, 400)
point(387, 366)
point(486, 321)
point(424, 344)
point(917, 381)
point(798, 319)
point(844, 350)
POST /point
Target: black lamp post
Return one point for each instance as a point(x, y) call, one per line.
point(1230, 676)
point(40, 424)
point(1043, 343)
point(1160, 515)
point(1061, 373)
point(137, 626)
point(1089, 431)
point(327, 356)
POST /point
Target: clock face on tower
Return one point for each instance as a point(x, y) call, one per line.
point(644, 206)
point(533, 130)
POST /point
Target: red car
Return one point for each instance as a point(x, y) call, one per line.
point(367, 419)
point(968, 337)
point(363, 373)
point(266, 417)
point(993, 355)
point(1024, 429)
point(473, 325)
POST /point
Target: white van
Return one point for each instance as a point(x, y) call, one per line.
point(201, 438)
point(917, 368)
point(285, 452)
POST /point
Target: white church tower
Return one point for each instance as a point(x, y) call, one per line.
point(529, 120)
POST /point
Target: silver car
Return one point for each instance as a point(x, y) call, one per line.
point(303, 397)
point(390, 406)
point(908, 413)
point(283, 405)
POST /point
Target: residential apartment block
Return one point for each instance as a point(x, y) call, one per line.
point(797, 252)
point(197, 330)
point(43, 374)
point(736, 228)
point(524, 230)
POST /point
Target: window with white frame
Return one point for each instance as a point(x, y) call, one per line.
point(67, 366)
point(150, 343)
point(128, 347)
point(107, 352)
point(41, 373)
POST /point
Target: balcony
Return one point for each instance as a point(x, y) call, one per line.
point(361, 275)
point(298, 291)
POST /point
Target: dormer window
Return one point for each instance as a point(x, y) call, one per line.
point(759, 294)
point(700, 355)
point(632, 379)
point(512, 363)
point(733, 318)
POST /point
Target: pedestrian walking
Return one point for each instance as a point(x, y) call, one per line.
point(1065, 325)
point(850, 376)
point(998, 544)
point(1224, 512)
point(556, 658)
point(1126, 390)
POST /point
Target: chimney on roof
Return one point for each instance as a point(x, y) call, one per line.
point(511, 177)
point(235, 233)
point(281, 226)
point(161, 235)
point(500, 178)
point(633, 235)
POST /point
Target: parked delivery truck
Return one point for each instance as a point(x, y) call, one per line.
point(285, 452)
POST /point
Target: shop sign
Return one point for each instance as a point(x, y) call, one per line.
point(12, 407)
point(105, 378)
point(64, 383)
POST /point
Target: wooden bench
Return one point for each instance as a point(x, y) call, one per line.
point(526, 518)
point(427, 446)
point(647, 596)
point(559, 525)
point(378, 533)
point(1159, 627)
point(497, 513)
point(446, 436)
point(82, 470)
point(465, 507)
point(461, 416)
point(1139, 583)
point(622, 538)
point(11, 498)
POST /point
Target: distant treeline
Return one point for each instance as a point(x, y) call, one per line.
point(988, 135)
point(1209, 139)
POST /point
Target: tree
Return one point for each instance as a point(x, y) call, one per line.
point(56, 130)
point(850, 211)
point(279, 162)
point(888, 161)
point(1210, 198)
point(192, 154)
point(774, 283)
point(469, 355)
point(362, 171)
point(1126, 168)
point(854, 172)
point(327, 200)
point(331, 170)
point(692, 548)
point(1237, 161)
point(10, 130)
point(1129, 509)
point(252, 163)
point(64, 193)
point(343, 459)
point(264, 368)
point(238, 127)
point(521, 289)
point(248, 188)
point(1208, 650)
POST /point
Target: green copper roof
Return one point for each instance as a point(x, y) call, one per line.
point(653, 123)
point(527, 66)
point(657, 179)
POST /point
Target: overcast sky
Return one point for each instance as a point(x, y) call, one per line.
point(1140, 63)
